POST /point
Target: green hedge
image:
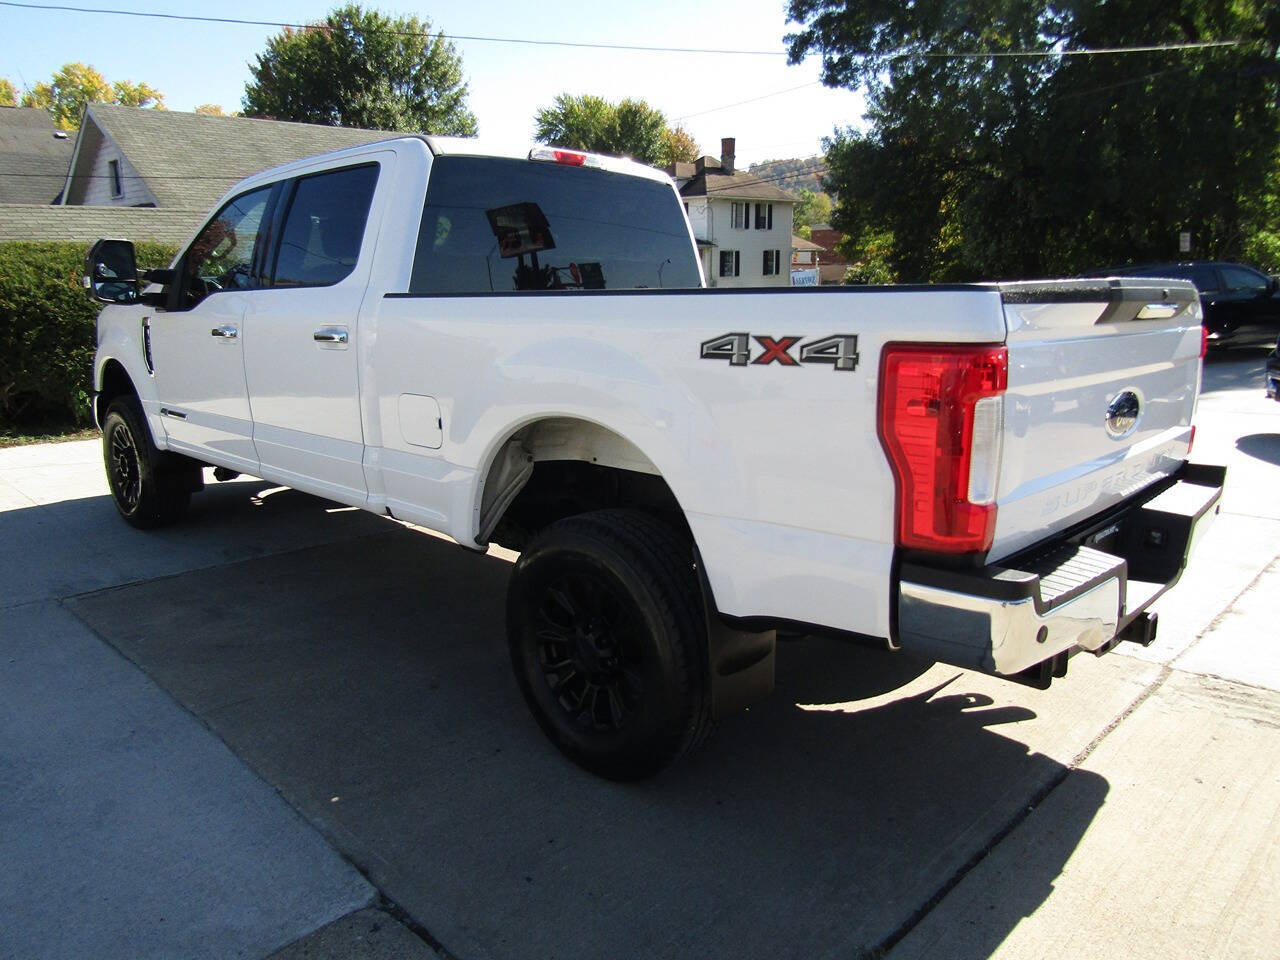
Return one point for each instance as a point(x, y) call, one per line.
point(47, 334)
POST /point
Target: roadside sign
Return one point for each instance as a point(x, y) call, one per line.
point(1184, 241)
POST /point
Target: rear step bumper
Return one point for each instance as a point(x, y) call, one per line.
point(1023, 619)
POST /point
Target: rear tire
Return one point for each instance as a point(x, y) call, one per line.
point(608, 642)
point(146, 493)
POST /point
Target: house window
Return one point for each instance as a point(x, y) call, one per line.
point(764, 216)
point(729, 263)
point(772, 262)
point(741, 216)
point(113, 167)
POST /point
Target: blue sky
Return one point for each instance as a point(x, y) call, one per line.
point(194, 63)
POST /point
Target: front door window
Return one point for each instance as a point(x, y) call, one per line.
point(222, 256)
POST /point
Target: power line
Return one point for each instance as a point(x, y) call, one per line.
point(765, 96)
point(819, 167)
point(1074, 52)
point(147, 14)
point(775, 178)
point(967, 55)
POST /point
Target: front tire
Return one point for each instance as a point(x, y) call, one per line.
point(146, 496)
point(608, 643)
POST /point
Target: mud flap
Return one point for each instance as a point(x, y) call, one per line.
point(740, 663)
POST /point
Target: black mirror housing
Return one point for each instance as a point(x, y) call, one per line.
point(111, 271)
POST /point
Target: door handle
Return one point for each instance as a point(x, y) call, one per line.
point(330, 335)
point(226, 332)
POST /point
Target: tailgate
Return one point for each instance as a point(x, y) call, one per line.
point(1103, 377)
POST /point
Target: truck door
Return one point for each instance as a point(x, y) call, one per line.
point(197, 342)
point(300, 350)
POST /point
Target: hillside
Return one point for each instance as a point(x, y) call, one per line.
point(791, 175)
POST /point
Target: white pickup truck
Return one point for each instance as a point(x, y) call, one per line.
point(515, 346)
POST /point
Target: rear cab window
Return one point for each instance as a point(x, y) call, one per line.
point(494, 225)
point(1205, 278)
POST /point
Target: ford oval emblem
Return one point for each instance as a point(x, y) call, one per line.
point(1123, 413)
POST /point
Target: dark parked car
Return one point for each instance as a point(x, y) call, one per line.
point(1273, 372)
point(1235, 298)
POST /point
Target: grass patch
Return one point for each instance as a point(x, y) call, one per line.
point(22, 439)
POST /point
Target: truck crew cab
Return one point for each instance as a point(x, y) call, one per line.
point(515, 346)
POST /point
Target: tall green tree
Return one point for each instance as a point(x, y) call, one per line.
point(979, 166)
point(77, 85)
point(629, 128)
point(362, 68)
point(8, 95)
point(813, 208)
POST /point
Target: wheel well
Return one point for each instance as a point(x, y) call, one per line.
point(559, 467)
point(115, 383)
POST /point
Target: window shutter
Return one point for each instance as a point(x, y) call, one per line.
point(736, 261)
point(771, 216)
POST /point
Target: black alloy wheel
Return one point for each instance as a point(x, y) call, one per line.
point(124, 470)
point(588, 649)
point(607, 642)
point(146, 495)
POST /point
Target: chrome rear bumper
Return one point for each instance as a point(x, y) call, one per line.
point(1065, 595)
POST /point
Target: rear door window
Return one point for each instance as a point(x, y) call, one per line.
point(499, 225)
point(324, 225)
point(1239, 280)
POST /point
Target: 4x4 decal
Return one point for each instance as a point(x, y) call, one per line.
point(841, 350)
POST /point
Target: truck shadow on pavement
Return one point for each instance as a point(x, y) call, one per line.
point(1261, 446)
point(367, 680)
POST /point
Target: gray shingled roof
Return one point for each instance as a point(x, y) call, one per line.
point(190, 159)
point(713, 182)
point(37, 222)
point(33, 160)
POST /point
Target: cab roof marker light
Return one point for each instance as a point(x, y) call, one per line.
point(569, 158)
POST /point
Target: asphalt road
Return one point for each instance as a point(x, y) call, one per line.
point(285, 721)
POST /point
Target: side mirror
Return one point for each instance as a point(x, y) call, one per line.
point(111, 272)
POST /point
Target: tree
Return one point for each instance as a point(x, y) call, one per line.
point(211, 110)
point(630, 128)
point(137, 95)
point(812, 209)
point(361, 68)
point(983, 167)
point(678, 146)
point(8, 95)
point(77, 85)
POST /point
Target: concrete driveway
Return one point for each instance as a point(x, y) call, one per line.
point(286, 721)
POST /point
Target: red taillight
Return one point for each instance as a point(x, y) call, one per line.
point(941, 422)
point(1204, 341)
point(1191, 440)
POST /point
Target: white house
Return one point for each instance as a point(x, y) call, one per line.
point(742, 223)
